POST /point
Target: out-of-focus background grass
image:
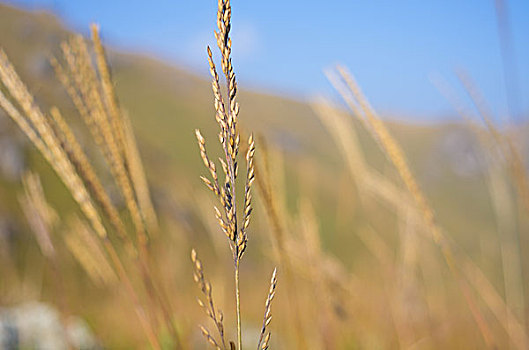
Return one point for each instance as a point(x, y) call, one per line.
point(166, 103)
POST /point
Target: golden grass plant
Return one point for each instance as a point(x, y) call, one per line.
point(227, 111)
point(460, 265)
point(91, 90)
point(310, 272)
point(402, 289)
point(499, 153)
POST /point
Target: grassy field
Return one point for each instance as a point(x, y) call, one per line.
point(360, 262)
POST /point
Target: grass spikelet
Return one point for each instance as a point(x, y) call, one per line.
point(250, 177)
point(208, 306)
point(80, 161)
point(264, 338)
point(96, 107)
point(44, 139)
point(209, 338)
point(24, 126)
point(108, 91)
point(124, 137)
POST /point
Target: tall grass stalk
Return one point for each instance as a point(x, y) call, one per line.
point(92, 93)
point(272, 194)
point(398, 159)
point(227, 111)
point(496, 146)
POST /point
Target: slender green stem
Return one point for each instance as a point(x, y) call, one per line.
point(237, 296)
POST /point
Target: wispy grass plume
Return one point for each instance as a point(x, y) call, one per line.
point(227, 111)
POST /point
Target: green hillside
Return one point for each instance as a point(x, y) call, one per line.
point(166, 104)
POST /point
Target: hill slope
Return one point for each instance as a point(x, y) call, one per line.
point(166, 104)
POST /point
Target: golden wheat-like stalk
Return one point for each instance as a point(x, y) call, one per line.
point(367, 178)
point(79, 159)
point(398, 159)
point(96, 105)
point(130, 178)
point(39, 131)
point(393, 149)
point(137, 174)
point(135, 185)
point(226, 115)
point(109, 94)
point(51, 135)
point(389, 193)
point(111, 130)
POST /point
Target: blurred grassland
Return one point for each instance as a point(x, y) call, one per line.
point(166, 105)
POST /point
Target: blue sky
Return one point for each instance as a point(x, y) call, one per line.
point(281, 46)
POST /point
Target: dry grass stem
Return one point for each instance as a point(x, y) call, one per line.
point(398, 159)
point(79, 159)
point(41, 133)
point(89, 252)
point(264, 338)
point(509, 150)
point(272, 195)
point(382, 188)
point(137, 174)
point(226, 115)
point(373, 253)
point(502, 204)
point(40, 216)
point(89, 96)
point(54, 139)
point(209, 306)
